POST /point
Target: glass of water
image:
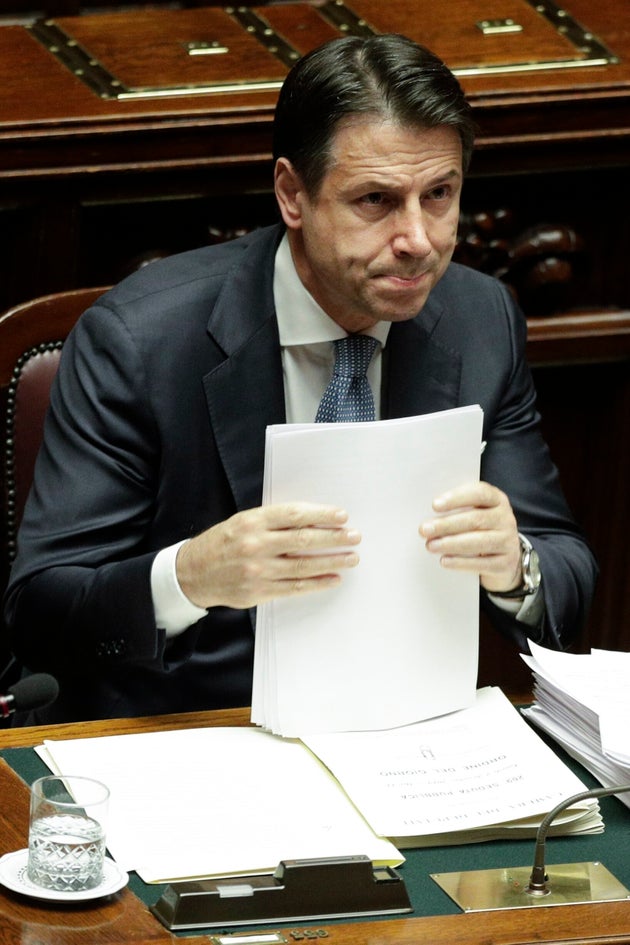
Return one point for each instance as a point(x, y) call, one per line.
point(66, 837)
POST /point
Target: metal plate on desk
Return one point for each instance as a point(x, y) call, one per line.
point(506, 888)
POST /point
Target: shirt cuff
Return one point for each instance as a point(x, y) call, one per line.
point(530, 610)
point(174, 613)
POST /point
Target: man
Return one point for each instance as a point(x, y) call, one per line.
point(144, 548)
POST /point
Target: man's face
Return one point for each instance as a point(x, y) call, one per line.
point(381, 231)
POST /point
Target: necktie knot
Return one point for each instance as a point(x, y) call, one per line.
point(349, 397)
point(353, 355)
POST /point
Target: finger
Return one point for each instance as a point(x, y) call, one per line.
point(311, 541)
point(297, 579)
point(479, 564)
point(299, 586)
point(291, 567)
point(455, 523)
point(293, 515)
point(471, 544)
point(480, 494)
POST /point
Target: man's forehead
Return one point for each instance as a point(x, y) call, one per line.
point(366, 141)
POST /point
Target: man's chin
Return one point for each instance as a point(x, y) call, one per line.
point(402, 313)
point(401, 305)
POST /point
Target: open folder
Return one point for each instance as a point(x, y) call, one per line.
point(212, 801)
point(397, 640)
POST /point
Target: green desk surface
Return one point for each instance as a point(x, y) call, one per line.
point(612, 848)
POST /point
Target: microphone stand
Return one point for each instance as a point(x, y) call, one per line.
point(522, 888)
point(539, 881)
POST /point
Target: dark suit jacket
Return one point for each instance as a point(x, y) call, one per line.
point(156, 431)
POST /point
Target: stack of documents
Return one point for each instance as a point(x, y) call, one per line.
point(583, 702)
point(397, 640)
point(219, 801)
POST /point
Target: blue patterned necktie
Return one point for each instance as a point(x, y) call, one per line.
point(348, 397)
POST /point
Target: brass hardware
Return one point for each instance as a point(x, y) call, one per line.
point(77, 59)
point(595, 51)
point(589, 51)
point(106, 85)
point(489, 27)
point(213, 48)
point(259, 27)
point(344, 19)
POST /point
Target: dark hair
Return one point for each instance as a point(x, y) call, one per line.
point(386, 74)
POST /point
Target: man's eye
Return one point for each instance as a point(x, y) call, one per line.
point(374, 199)
point(439, 193)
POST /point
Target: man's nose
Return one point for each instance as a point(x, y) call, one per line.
point(411, 237)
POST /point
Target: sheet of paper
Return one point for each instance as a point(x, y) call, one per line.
point(477, 767)
point(583, 701)
point(397, 641)
point(215, 801)
point(613, 668)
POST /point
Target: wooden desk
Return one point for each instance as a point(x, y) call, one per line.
point(124, 919)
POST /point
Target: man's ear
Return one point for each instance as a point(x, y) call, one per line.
point(289, 192)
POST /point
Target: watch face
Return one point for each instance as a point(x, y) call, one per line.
point(533, 570)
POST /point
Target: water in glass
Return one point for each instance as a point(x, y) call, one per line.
point(66, 852)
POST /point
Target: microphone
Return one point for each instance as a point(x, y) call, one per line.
point(32, 692)
point(539, 881)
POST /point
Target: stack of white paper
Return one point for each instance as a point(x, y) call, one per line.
point(583, 702)
point(397, 641)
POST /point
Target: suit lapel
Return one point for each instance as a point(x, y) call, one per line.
point(423, 375)
point(245, 391)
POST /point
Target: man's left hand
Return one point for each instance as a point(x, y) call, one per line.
point(475, 530)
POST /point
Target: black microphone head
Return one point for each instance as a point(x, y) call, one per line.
point(34, 692)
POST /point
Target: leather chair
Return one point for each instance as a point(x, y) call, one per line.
point(31, 336)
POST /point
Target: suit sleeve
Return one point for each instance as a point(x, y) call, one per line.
point(80, 584)
point(517, 460)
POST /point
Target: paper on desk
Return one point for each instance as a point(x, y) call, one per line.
point(583, 701)
point(476, 774)
point(614, 714)
point(215, 801)
point(397, 641)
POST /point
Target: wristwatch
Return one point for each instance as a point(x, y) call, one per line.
point(530, 571)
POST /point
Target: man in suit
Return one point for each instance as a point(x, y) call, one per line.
point(144, 548)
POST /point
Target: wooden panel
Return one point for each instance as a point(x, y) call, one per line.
point(39, 94)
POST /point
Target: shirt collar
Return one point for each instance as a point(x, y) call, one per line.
point(301, 321)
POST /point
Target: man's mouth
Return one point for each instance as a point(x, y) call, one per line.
point(404, 279)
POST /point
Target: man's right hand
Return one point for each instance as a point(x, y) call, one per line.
point(267, 552)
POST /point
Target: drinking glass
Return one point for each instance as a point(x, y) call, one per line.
point(66, 838)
